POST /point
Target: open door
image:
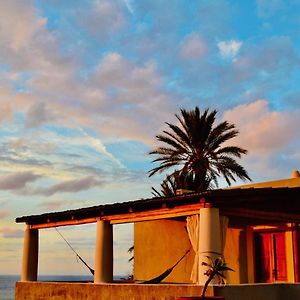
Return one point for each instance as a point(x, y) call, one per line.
point(270, 257)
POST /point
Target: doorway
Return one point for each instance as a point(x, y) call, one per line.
point(270, 257)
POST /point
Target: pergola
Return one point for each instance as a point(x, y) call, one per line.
point(243, 206)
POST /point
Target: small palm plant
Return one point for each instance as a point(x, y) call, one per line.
point(216, 267)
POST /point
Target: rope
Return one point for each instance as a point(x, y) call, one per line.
point(166, 273)
point(157, 279)
point(77, 255)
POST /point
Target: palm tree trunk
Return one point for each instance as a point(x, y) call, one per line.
point(210, 278)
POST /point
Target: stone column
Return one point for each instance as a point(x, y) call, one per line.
point(30, 255)
point(209, 239)
point(104, 253)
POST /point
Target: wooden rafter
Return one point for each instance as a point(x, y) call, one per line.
point(129, 217)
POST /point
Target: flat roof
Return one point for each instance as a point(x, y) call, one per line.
point(284, 202)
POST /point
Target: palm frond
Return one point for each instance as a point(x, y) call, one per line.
point(195, 146)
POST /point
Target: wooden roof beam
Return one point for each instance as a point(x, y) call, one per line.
point(129, 217)
point(270, 216)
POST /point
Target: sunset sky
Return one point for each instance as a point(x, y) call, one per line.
point(86, 85)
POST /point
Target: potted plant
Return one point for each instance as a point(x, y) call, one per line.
point(215, 268)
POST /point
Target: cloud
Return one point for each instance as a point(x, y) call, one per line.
point(193, 47)
point(11, 233)
point(129, 6)
point(229, 49)
point(11, 101)
point(99, 146)
point(33, 55)
point(276, 54)
point(53, 205)
point(27, 144)
point(213, 17)
point(104, 18)
point(17, 181)
point(51, 89)
point(117, 89)
point(258, 71)
point(5, 112)
point(38, 114)
point(3, 213)
point(26, 44)
point(263, 131)
point(21, 29)
point(131, 91)
point(70, 186)
point(271, 138)
point(44, 152)
point(115, 71)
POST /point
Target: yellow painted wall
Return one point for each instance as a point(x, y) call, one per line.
point(157, 246)
point(290, 182)
point(235, 254)
point(289, 255)
point(231, 252)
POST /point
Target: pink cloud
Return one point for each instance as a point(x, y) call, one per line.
point(38, 114)
point(263, 131)
point(53, 205)
point(70, 186)
point(3, 213)
point(6, 112)
point(8, 232)
point(104, 18)
point(20, 17)
point(193, 47)
point(17, 181)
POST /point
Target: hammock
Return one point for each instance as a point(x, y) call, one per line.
point(77, 255)
point(155, 280)
point(166, 273)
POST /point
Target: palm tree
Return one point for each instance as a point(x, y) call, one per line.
point(215, 267)
point(197, 146)
point(174, 182)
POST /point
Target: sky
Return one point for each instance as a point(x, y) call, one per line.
point(86, 85)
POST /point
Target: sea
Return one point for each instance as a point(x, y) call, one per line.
point(8, 282)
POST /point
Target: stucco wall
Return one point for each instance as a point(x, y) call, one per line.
point(90, 291)
point(79, 291)
point(289, 182)
point(235, 254)
point(157, 246)
point(276, 291)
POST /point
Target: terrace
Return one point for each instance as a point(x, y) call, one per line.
point(245, 207)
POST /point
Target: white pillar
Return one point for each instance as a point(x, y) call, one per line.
point(30, 255)
point(104, 253)
point(209, 239)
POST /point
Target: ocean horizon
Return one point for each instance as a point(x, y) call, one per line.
point(8, 282)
